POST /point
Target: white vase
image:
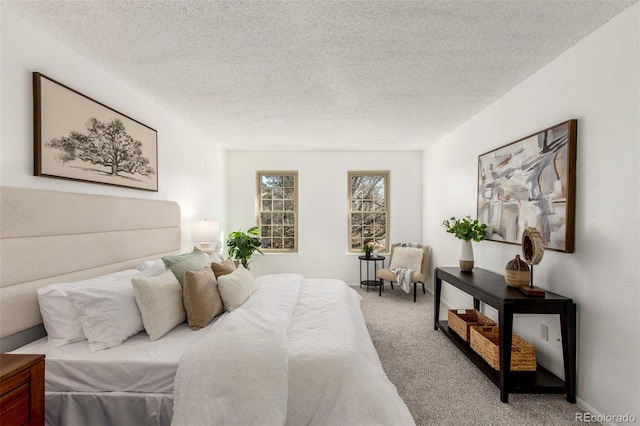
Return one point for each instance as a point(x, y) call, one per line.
point(466, 256)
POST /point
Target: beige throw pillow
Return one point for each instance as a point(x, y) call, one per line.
point(225, 267)
point(235, 288)
point(201, 298)
point(407, 257)
point(159, 300)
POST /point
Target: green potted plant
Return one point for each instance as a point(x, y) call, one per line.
point(242, 244)
point(368, 249)
point(466, 229)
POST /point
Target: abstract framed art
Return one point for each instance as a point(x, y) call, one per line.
point(531, 183)
point(78, 138)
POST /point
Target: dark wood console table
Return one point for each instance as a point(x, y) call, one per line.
point(490, 288)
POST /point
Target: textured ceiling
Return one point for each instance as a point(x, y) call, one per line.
point(321, 75)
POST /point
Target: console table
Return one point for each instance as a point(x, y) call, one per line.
point(490, 288)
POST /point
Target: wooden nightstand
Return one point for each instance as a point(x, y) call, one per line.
point(21, 389)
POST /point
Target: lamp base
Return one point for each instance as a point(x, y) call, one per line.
point(206, 247)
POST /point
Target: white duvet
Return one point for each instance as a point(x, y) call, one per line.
point(297, 352)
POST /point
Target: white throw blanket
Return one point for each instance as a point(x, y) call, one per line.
point(297, 352)
point(403, 277)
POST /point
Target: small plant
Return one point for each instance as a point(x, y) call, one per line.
point(242, 244)
point(368, 248)
point(466, 228)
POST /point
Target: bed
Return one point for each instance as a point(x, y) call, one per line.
point(292, 351)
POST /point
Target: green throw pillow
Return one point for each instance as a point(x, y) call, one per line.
point(193, 263)
point(169, 261)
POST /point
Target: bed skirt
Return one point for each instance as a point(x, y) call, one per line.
point(108, 409)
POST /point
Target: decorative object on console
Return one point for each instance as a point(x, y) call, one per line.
point(516, 273)
point(78, 138)
point(466, 229)
point(205, 232)
point(532, 246)
point(466, 256)
point(242, 244)
point(532, 251)
point(531, 182)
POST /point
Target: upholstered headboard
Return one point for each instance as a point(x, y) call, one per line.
point(49, 236)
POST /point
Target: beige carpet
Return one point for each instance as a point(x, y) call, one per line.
point(437, 382)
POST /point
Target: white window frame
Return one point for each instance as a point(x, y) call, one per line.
point(274, 211)
point(355, 243)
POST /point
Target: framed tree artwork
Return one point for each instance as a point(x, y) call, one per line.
point(531, 183)
point(78, 138)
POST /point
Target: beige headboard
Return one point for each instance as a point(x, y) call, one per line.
point(49, 236)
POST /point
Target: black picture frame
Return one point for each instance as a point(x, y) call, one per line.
point(78, 138)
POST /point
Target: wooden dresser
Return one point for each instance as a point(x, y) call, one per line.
point(21, 389)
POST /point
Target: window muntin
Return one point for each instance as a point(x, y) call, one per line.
point(368, 210)
point(278, 211)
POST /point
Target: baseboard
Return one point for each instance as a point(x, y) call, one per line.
point(602, 418)
point(444, 305)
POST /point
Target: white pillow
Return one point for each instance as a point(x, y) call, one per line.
point(236, 287)
point(151, 264)
point(108, 314)
point(58, 314)
point(213, 258)
point(407, 257)
point(159, 300)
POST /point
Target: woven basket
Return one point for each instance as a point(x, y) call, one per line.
point(461, 320)
point(486, 342)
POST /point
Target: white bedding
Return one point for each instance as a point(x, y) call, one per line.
point(137, 365)
point(297, 352)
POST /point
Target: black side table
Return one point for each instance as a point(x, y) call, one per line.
point(370, 282)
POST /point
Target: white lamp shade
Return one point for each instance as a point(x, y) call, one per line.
point(205, 230)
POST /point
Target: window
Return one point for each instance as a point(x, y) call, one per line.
point(278, 211)
point(368, 210)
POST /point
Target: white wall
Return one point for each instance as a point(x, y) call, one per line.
point(190, 166)
point(323, 204)
point(596, 82)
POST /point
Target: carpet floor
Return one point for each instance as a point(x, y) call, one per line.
point(438, 382)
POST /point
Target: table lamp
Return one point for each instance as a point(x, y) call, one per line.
point(205, 232)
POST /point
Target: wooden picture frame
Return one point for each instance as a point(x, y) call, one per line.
point(531, 183)
point(81, 139)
